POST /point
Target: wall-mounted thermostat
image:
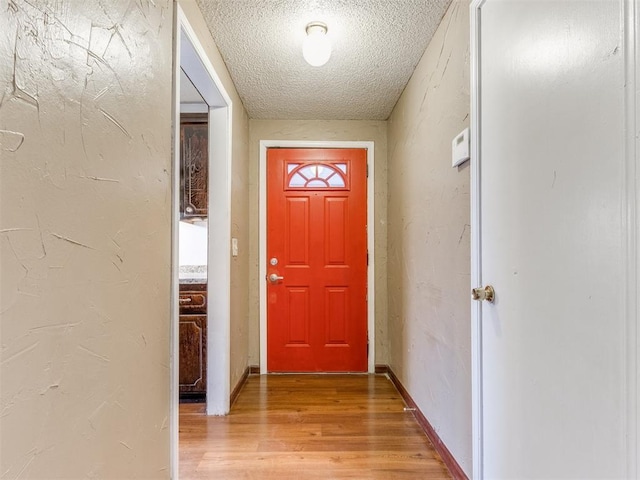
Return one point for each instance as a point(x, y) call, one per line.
point(460, 148)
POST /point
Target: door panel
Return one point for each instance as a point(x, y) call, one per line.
point(297, 315)
point(297, 231)
point(551, 195)
point(336, 315)
point(316, 232)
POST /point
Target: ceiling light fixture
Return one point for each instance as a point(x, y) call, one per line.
point(316, 48)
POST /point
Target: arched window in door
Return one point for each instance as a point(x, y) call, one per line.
point(317, 175)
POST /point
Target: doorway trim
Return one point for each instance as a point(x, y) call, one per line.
point(631, 18)
point(262, 187)
point(220, 108)
point(476, 266)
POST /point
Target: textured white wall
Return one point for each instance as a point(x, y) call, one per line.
point(239, 198)
point(85, 238)
point(429, 252)
point(316, 130)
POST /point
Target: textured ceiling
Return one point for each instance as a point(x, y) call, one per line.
point(376, 46)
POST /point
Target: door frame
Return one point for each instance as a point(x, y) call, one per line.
point(630, 244)
point(219, 108)
point(476, 267)
point(476, 279)
point(631, 18)
point(262, 187)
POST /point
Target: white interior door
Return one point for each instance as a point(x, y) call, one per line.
point(553, 353)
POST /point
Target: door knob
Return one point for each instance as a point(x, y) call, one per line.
point(484, 293)
point(273, 278)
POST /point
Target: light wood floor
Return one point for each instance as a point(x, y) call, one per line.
point(308, 427)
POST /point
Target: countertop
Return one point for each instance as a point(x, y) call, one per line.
point(193, 274)
point(191, 281)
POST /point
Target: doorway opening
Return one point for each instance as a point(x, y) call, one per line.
point(202, 114)
point(192, 242)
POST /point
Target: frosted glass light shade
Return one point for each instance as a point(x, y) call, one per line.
point(316, 48)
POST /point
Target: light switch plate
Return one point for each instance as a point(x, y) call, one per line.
point(460, 148)
point(234, 247)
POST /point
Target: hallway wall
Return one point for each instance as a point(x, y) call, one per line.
point(239, 198)
point(428, 242)
point(334, 130)
point(85, 238)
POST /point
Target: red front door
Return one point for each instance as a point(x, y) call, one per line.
point(316, 260)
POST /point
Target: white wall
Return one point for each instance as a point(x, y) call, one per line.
point(192, 243)
point(428, 241)
point(85, 239)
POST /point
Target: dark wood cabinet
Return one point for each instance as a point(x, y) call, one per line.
point(194, 165)
point(193, 341)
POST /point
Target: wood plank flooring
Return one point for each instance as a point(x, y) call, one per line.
point(308, 427)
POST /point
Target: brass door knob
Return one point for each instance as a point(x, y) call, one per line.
point(484, 293)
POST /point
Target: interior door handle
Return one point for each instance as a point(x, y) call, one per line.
point(484, 293)
point(274, 277)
